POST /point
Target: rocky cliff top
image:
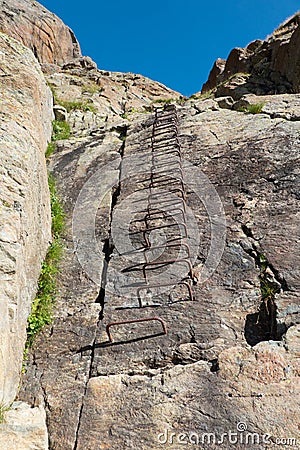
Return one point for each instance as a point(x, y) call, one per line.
point(271, 66)
point(43, 32)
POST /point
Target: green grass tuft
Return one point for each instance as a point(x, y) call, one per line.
point(42, 306)
point(80, 105)
point(255, 108)
point(61, 130)
point(164, 100)
point(50, 149)
point(3, 409)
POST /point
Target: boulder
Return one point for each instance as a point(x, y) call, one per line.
point(225, 102)
point(60, 113)
point(24, 428)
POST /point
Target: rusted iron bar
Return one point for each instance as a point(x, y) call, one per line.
point(166, 172)
point(169, 203)
point(124, 322)
point(165, 263)
point(159, 212)
point(159, 227)
point(165, 177)
point(169, 191)
point(161, 142)
point(168, 245)
point(159, 184)
point(149, 286)
point(167, 164)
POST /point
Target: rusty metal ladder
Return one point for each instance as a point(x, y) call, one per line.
point(166, 175)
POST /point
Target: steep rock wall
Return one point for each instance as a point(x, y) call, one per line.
point(220, 363)
point(40, 30)
point(25, 230)
point(229, 356)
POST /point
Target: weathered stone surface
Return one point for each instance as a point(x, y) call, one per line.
point(101, 96)
point(42, 31)
point(142, 411)
point(214, 75)
point(24, 428)
point(26, 114)
point(231, 356)
point(60, 113)
point(225, 102)
point(272, 65)
point(136, 388)
point(77, 314)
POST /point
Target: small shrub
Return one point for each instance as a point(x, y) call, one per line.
point(267, 288)
point(61, 130)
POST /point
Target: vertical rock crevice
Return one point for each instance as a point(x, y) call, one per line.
point(108, 248)
point(262, 325)
point(108, 245)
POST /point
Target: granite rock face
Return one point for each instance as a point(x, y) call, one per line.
point(263, 67)
point(25, 230)
point(103, 96)
point(230, 356)
point(24, 428)
point(228, 366)
point(188, 404)
point(44, 33)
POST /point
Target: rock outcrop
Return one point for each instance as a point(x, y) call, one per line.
point(101, 96)
point(25, 230)
point(263, 67)
point(44, 33)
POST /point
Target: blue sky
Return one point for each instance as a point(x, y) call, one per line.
point(174, 42)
